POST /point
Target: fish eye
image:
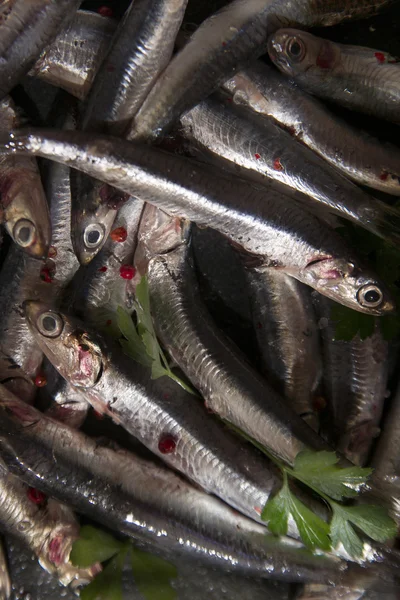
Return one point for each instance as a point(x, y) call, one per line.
point(24, 232)
point(370, 296)
point(295, 49)
point(50, 324)
point(93, 235)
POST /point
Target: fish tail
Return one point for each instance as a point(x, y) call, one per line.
point(386, 223)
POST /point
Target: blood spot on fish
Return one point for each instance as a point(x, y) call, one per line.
point(319, 403)
point(127, 272)
point(326, 56)
point(380, 57)
point(108, 323)
point(119, 234)
point(85, 360)
point(40, 380)
point(36, 496)
point(383, 176)
point(97, 415)
point(332, 274)
point(258, 509)
point(167, 444)
point(105, 11)
point(55, 550)
point(52, 252)
point(278, 165)
point(257, 156)
point(46, 275)
point(102, 269)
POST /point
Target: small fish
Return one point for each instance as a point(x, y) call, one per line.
point(358, 78)
point(5, 582)
point(277, 232)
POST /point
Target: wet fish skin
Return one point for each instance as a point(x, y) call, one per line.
point(356, 154)
point(280, 235)
point(266, 151)
point(25, 29)
point(147, 502)
point(358, 78)
point(288, 338)
point(73, 58)
point(222, 45)
point(23, 204)
point(5, 582)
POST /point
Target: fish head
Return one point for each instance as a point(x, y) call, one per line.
point(348, 284)
point(295, 52)
point(75, 353)
point(25, 211)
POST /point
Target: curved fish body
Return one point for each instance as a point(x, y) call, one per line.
point(23, 204)
point(288, 339)
point(358, 78)
point(278, 232)
point(356, 154)
point(355, 382)
point(147, 502)
point(48, 529)
point(260, 146)
point(230, 387)
point(223, 44)
point(5, 582)
point(25, 29)
point(72, 60)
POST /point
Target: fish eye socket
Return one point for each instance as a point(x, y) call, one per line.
point(295, 49)
point(50, 324)
point(24, 232)
point(370, 296)
point(93, 235)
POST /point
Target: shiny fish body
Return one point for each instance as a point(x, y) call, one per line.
point(148, 502)
point(223, 44)
point(5, 583)
point(25, 29)
point(158, 410)
point(355, 382)
point(279, 233)
point(358, 78)
point(72, 60)
point(261, 146)
point(230, 387)
point(362, 158)
point(23, 204)
point(288, 338)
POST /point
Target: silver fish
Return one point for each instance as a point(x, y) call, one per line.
point(5, 583)
point(288, 338)
point(23, 204)
point(260, 146)
point(25, 29)
point(72, 60)
point(222, 44)
point(230, 387)
point(357, 155)
point(279, 233)
point(359, 78)
point(147, 502)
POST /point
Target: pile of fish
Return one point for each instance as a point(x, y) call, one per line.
point(154, 136)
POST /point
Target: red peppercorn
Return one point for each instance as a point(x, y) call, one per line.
point(105, 11)
point(127, 272)
point(36, 496)
point(119, 234)
point(278, 165)
point(257, 156)
point(167, 444)
point(40, 380)
point(52, 252)
point(45, 275)
point(103, 269)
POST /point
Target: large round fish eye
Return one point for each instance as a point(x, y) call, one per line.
point(93, 235)
point(370, 296)
point(24, 232)
point(295, 49)
point(50, 324)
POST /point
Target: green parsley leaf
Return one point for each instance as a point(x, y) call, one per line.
point(349, 323)
point(372, 520)
point(132, 345)
point(153, 575)
point(343, 533)
point(94, 545)
point(107, 585)
point(320, 471)
point(313, 530)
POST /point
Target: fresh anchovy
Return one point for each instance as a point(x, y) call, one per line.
point(23, 205)
point(229, 385)
point(279, 233)
point(361, 157)
point(148, 502)
point(5, 583)
point(223, 44)
point(258, 145)
point(319, 591)
point(163, 416)
point(71, 61)
point(355, 382)
point(287, 336)
point(359, 78)
point(49, 531)
point(26, 27)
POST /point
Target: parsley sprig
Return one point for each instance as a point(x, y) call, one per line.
point(140, 342)
point(152, 575)
point(320, 471)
